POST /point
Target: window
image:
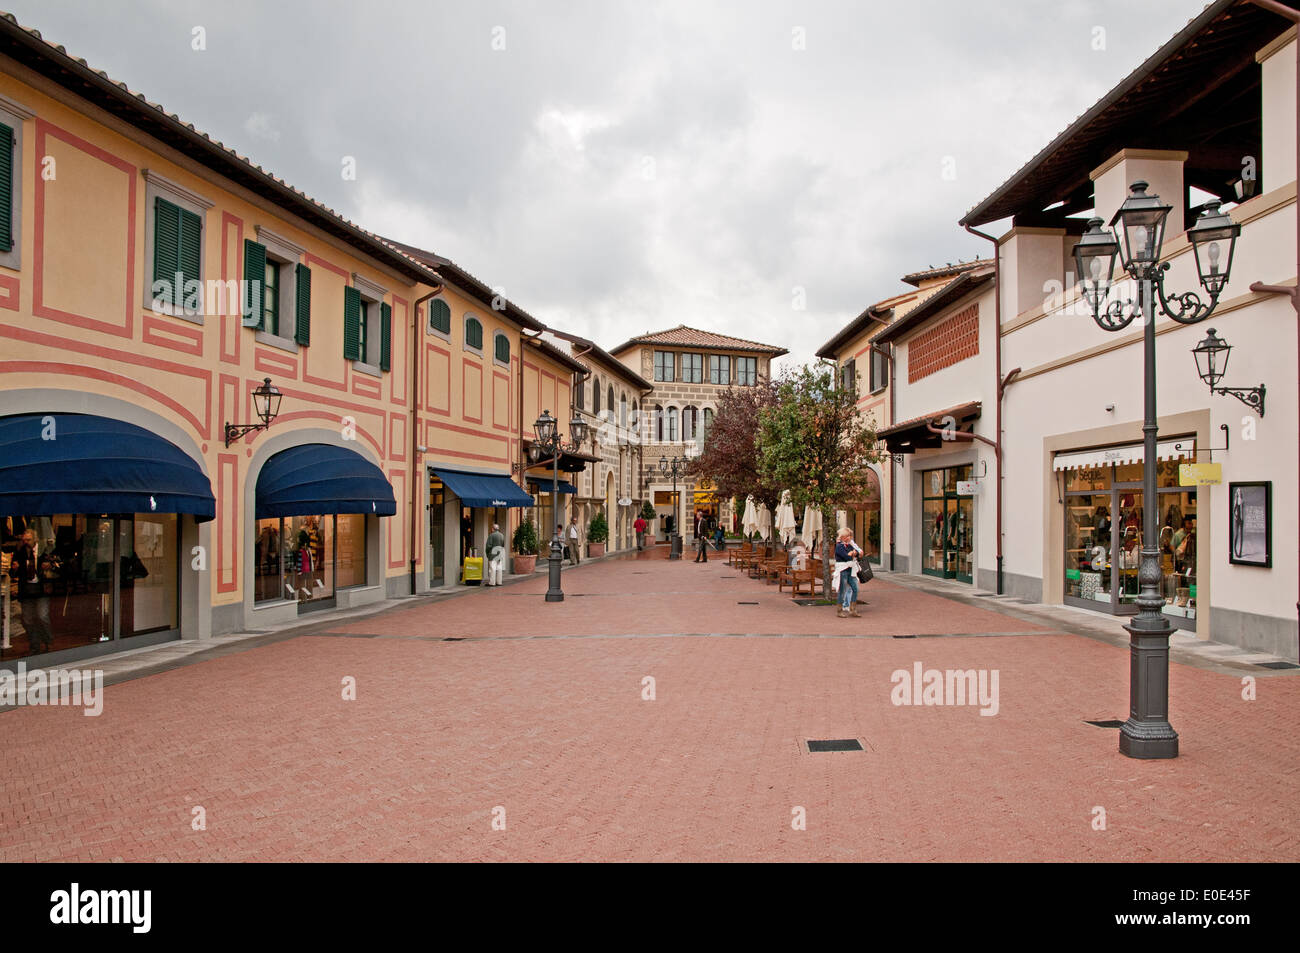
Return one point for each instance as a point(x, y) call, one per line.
point(609, 403)
point(501, 348)
point(271, 299)
point(367, 327)
point(622, 410)
point(11, 178)
point(665, 366)
point(440, 317)
point(279, 306)
point(708, 421)
point(580, 392)
point(747, 371)
point(659, 423)
point(879, 372)
point(473, 334)
point(672, 424)
point(173, 235)
point(692, 368)
point(595, 396)
point(689, 418)
point(719, 369)
point(363, 333)
point(849, 376)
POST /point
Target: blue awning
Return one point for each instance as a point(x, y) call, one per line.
point(80, 463)
point(316, 479)
point(544, 486)
point(480, 489)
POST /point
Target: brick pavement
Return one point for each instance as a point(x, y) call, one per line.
point(555, 731)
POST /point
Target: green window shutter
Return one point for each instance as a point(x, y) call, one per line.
point(440, 316)
point(6, 187)
point(474, 334)
point(352, 324)
point(254, 284)
point(191, 239)
point(166, 248)
point(503, 349)
point(385, 337)
point(302, 304)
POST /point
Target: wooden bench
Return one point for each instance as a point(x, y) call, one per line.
point(810, 577)
point(735, 554)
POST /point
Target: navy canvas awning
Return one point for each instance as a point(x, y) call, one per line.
point(482, 490)
point(81, 463)
point(316, 479)
point(544, 486)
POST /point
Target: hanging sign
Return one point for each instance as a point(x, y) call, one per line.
point(968, 487)
point(625, 501)
point(1200, 474)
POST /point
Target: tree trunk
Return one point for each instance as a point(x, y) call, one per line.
point(828, 553)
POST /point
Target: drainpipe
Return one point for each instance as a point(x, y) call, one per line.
point(888, 353)
point(997, 376)
point(1292, 292)
point(415, 419)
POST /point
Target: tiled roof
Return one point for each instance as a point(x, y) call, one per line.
point(944, 271)
point(682, 336)
point(28, 47)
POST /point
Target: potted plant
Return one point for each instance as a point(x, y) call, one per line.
point(597, 534)
point(525, 547)
point(649, 515)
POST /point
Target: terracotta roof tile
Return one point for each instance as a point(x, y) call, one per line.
point(683, 336)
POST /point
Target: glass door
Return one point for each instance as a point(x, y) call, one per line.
point(961, 543)
point(437, 530)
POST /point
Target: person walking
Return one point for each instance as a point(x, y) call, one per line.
point(640, 526)
point(32, 570)
point(575, 542)
point(701, 537)
point(496, 554)
point(846, 571)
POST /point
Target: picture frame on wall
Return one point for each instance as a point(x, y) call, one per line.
point(1250, 524)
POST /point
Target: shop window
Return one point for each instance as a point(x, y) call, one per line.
point(306, 559)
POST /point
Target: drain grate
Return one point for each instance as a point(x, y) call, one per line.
point(835, 744)
point(1105, 724)
point(904, 636)
point(746, 603)
point(1278, 665)
point(454, 640)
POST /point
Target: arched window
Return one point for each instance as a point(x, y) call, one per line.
point(659, 423)
point(610, 402)
point(501, 348)
point(439, 316)
point(580, 392)
point(708, 421)
point(689, 416)
point(595, 396)
point(622, 411)
point(672, 425)
point(473, 333)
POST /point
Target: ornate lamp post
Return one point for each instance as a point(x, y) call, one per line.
point(1147, 733)
point(676, 466)
point(551, 443)
point(266, 402)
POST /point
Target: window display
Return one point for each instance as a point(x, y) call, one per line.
point(307, 558)
point(947, 525)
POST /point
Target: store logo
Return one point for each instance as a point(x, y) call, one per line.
point(55, 686)
point(76, 906)
point(931, 686)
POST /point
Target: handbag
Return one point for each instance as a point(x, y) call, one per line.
point(865, 574)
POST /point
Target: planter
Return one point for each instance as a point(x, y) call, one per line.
point(595, 549)
point(523, 565)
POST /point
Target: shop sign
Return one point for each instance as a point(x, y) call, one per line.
point(625, 501)
point(968, 487)
point(1200, 474)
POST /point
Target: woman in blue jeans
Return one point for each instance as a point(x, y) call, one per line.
point(847, 554)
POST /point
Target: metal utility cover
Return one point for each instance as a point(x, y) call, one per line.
point(835, 744)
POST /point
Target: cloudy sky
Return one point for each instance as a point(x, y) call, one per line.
point(761, 168)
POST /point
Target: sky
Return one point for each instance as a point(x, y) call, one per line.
point(758, 168)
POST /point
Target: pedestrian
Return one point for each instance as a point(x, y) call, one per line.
point(719, 537)
point(846, 572)
point(701, 537)
point(640, 526)
point(496, 553)
point(33, 570)
point(575, 541)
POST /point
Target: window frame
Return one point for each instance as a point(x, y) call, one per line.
point(673, 415)
point(878, 371)
point(428, 318)
point(718, 363)
point(692, 362)
point(285, 254)
point(370, 330)
point(156, 187)
point(15, 115)
point(753, 377)
point(464, 333)
point(670, 370)
point(499, 335)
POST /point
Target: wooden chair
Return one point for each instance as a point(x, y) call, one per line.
point(745, 549)
point(810, 577)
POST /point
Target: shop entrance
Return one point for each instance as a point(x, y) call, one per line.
point(437, 528)
point(947, 525)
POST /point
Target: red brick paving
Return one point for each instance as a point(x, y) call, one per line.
point(555, 731)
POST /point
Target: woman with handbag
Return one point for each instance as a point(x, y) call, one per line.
point(846, 571)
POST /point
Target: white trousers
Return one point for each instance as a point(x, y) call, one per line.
point(496, 569)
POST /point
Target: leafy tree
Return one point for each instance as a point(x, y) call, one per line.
point(813, 442)
point(730, 459)
point(598, 528)
point(648, 511)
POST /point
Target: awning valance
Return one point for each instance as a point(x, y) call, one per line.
point(544, 486)
point(317, 478)
point(911, 435)
point(81, 463)
point(1127, 453)
point(484, 490)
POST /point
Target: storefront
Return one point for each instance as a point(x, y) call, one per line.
point(544, 510)
point(1101, 490)
point(316, 507)
point(863, 517)
point(463, 505)
point(91, 516)
point(948, 523)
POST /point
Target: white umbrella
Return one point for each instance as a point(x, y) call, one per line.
point(812, 525)
point(749, 522)
point(764, 521)
point(785, 524)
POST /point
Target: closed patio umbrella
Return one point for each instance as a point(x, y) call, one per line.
point(812, 525)
point(764, 522)
point(785, 522)
point(749, 522)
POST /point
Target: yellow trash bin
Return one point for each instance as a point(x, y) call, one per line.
point(471, 572)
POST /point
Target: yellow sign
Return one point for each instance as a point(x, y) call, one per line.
point(1200, 474)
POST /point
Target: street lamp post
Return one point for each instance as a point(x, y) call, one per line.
point(1148, 733)
point(675, 466)
point(550, 442)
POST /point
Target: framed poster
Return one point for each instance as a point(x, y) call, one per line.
point(1250, 524)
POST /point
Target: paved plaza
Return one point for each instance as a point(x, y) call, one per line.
point(493, 726)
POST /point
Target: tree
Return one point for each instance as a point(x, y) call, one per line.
point(730, 459)
point(813, 442)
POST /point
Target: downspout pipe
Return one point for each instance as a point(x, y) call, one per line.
point(887, 351)
point(415, 420)
point(997, 376)
point(1292, 292)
